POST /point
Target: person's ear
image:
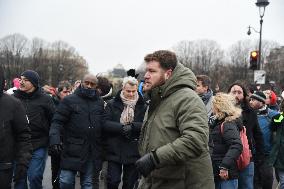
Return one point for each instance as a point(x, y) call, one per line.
point(168, 74)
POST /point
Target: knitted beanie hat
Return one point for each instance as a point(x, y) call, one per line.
point(259, 95)
point(32, 76)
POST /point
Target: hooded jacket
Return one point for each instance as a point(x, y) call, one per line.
point(175, 125)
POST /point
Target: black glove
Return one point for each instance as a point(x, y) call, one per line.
point(147, 163)
point(20, 172)
point(126, 130)
point(55, 149)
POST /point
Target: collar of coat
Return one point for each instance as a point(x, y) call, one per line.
point(23, 95)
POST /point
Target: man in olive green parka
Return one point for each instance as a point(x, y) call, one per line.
point(174, 137)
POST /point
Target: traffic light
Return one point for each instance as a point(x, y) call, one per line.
point(253, 60)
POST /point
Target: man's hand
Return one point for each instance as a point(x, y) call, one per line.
point(146, 164)
point(20, 172)
point(224, 174)
point(55, 149)
point(127, 130)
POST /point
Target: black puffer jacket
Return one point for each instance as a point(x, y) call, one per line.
point(39, 108)
point(15, 136)
point(81, 118)
point(118, 148)
point(226, 147)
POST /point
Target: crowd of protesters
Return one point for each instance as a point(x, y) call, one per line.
point(169, 130)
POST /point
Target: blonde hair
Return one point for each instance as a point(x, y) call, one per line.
point(224, 104)
point(130, 80)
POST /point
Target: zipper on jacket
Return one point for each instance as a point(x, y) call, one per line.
point(26, 107)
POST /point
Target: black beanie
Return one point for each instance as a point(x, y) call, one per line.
point(259, 95)
point(32, 76)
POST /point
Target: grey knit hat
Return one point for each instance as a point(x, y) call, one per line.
point(259, 96)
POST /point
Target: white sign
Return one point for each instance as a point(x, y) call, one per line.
point(259, 76)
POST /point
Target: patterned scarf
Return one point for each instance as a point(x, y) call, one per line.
point(127, 116)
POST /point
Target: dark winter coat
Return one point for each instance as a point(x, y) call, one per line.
point(81, 118)
point(15, 136)
point(39, 108)
point(227, 147)
point(276, 157)
point(254, 134)
point(118, 148)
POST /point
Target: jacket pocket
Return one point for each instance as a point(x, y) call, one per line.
point(169, 177)
point(74, 147)
point(170, 172)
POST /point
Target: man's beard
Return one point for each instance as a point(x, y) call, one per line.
point(238, 101)
point(160, 82)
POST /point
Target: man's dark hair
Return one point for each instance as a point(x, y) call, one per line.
point(251, 88)
point(239, 83)
point(132, 73)
point(167, 59)
point(62, 85)
point(104, 85)
point(205, 80)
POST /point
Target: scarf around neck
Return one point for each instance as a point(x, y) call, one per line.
point(206, 96)
point(127, 115)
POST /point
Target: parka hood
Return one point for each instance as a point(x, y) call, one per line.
point(181, 77)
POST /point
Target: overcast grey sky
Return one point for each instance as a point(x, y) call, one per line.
point(108, 32)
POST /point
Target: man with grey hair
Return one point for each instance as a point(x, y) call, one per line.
point(124, 118)
point(79, 117)
point(129, 80)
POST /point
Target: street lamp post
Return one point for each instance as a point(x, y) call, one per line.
point(261, 4)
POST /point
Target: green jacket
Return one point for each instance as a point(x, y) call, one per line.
point(176, 126)
point(276, 157)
